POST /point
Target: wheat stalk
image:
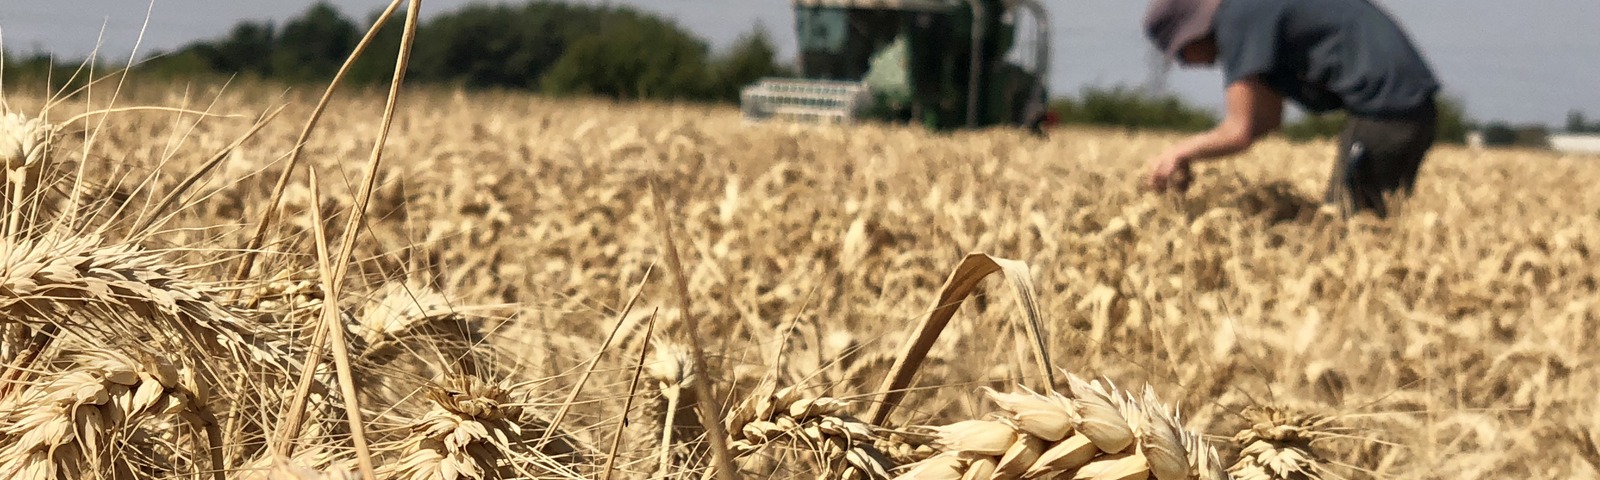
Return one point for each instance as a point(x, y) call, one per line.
point(466, 434)
point(13, 341)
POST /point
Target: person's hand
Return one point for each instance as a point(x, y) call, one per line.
point(1169, 171)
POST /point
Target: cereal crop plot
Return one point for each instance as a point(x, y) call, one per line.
point(511, 273)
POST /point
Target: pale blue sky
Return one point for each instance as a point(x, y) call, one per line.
point(1518, 60)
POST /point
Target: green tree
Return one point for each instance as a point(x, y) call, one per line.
point(633, 57)
point(247, 49)
point(501, 45)
point(1453, 123)
point(752, 58)
point(1130, 108)
point(1451, 127)
point(1312, 127)
point(186, 63)
point(1501, 134)
point(1577, 122)
point(376, 64)
point(313, 45)
point(550, 45)
point(37, 67)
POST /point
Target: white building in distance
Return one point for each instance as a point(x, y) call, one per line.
point(1575, 143)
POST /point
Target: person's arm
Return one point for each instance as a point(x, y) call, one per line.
point(1253, 110)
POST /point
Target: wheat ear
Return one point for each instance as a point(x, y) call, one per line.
point(1277, 446)
point(1095, 432)
point(846, 445)
point(78, 423)
point(474, 430)
point(123, 293)
point(671, 423)
point(25, 154)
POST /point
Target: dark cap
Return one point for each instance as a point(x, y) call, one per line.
point(1174, 24)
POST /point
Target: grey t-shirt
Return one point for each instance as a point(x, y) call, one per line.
point(1324, 54)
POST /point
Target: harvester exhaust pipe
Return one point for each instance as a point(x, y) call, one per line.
point(976, 68)
point(1041, 57)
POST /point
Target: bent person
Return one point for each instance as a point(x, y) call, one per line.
point(1324, 55)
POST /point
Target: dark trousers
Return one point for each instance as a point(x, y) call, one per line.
point(1379, 157)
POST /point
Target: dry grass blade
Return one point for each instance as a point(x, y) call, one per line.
point(333, 276)
point(588, 370)
point(357, 214)
point(151, 215)
point(259, 237)
point(710, 417)
point(627, 403)
point(957, 288)
point(295, 416)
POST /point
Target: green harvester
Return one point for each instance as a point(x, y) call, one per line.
point(943, 64)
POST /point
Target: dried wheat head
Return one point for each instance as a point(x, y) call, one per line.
point(83, 422)
point(1277, 446)
point(841, 443)
point(1096, 432)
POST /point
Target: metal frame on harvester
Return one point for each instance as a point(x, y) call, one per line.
point(939, 63)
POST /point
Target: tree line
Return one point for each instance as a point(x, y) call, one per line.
point(1132, 108)
point(542, 46)
point(545, 46)
point(557, 48)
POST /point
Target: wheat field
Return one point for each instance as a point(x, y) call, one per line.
point(511, 299)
